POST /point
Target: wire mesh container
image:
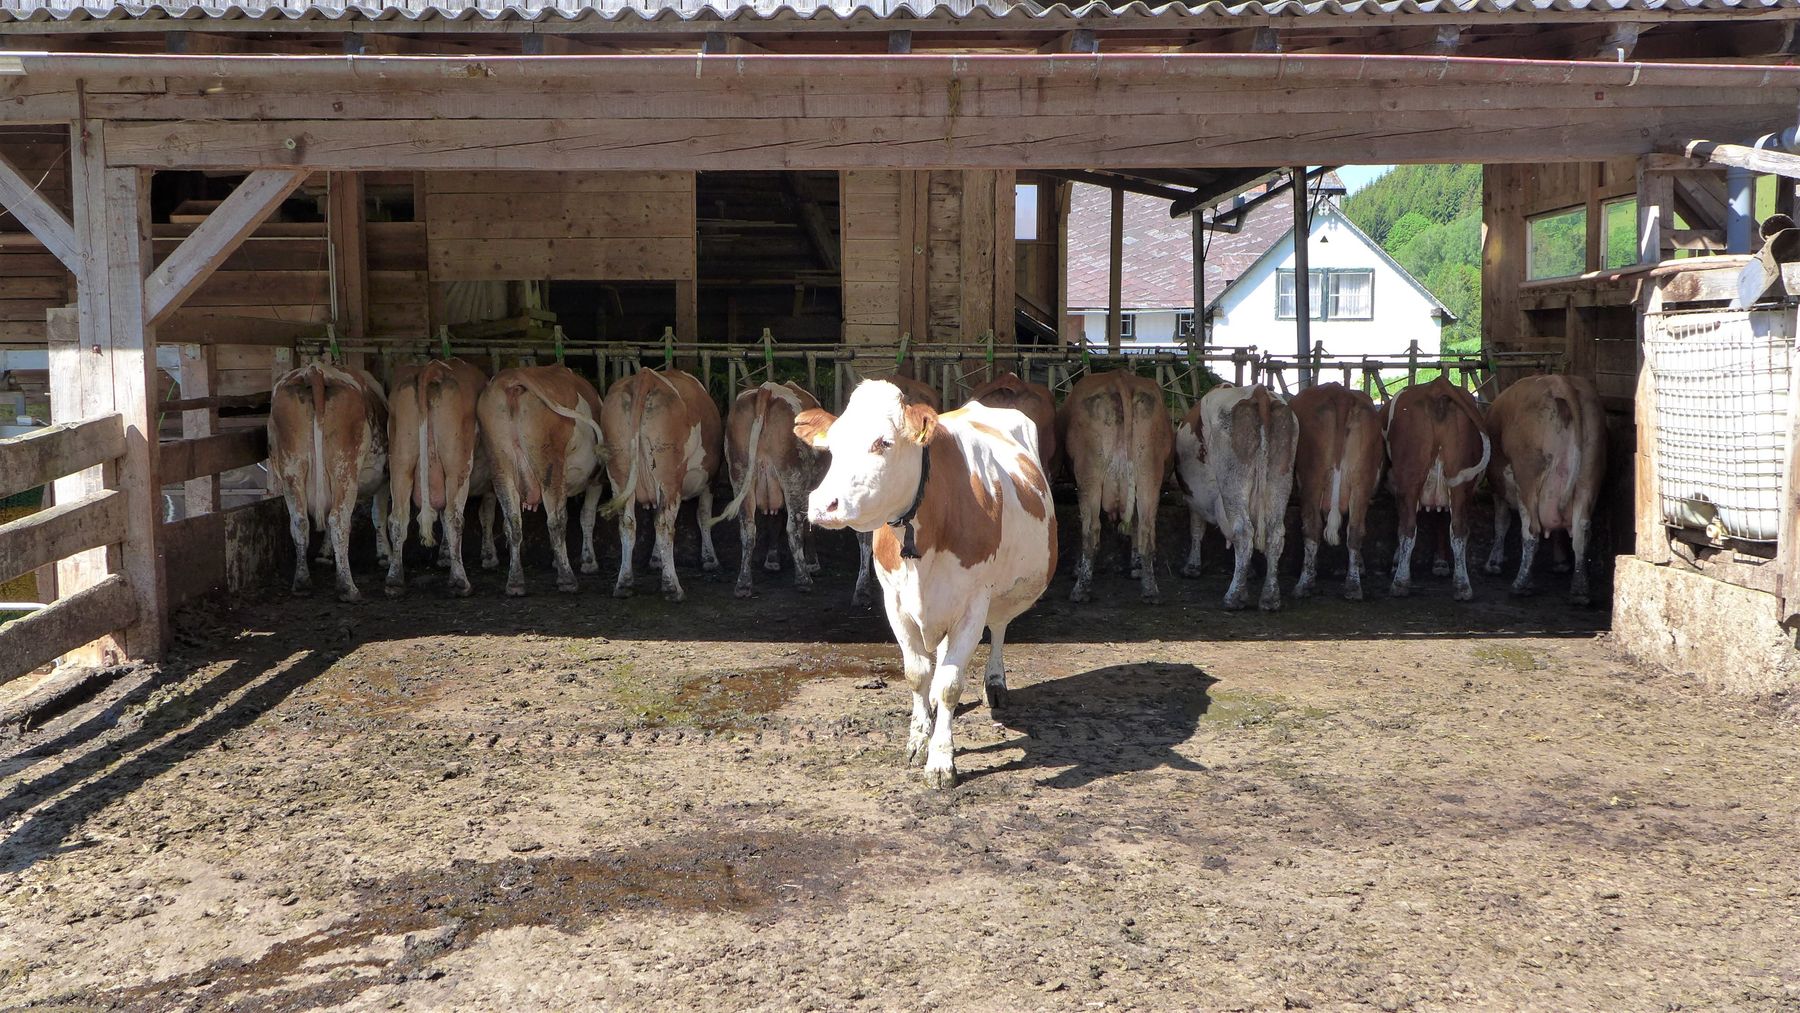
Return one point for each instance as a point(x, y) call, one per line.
point(1721, 381)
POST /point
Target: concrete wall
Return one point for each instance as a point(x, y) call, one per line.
point(1726, 636)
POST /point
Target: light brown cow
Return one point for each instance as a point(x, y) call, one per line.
point(1438, 446)
point(1338, 464)
point(542, 435)
point(772, 470)
point(327, 449)
point(912, 392)
point(1549, 437)
point(1234, 458)
point(1034, 399)
point(436, 462)
point(664, 435)
point(1118, 440)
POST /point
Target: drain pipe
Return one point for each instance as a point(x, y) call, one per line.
point(1740, 193)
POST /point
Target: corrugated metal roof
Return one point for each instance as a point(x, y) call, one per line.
point(840, 10)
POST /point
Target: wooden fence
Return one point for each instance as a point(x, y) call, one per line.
point(94, 521)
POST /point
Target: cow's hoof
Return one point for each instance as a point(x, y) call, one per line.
point(1523, 590)
point(622, 591)
point(1236, 604)
point(1081, 594)
point(490, 563)
point(1399, 590)
point(743, 591)
point(803, 586)
point(349, 596)
point(590, 566)
point(709, 565)
point(814, 567)
point(1491, 568)
point(515, 590)
point(461, 589)
point(1303, 590)
point(1580, 598)
point(568, 586)
point(771, 566)
point(394, 590)
point(300, 588)
point(996, 696)
point(1190, 570)
point(940, 776)
point(675, 596)
point(1270, 604)
point(862, 599)
point(1463, 594)
point(917, 748)
point(1353, 592)
point(1440, 569)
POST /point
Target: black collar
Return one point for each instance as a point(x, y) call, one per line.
point(909, 549)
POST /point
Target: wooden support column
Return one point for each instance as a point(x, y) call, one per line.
point(117, 362)
point(1302, 275)
point(976, 250)
point(344, 221)
point(199, 378)
point(687, 311)
point(1115, 271)
point(73, 371)
point(1656, 212)
point(1068, 332)
point(1502, 258)
point(1006, 246)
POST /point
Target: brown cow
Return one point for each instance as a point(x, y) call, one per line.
point(539, 424)
point(664, 433)
point(1118, 440)
point(436, 461)
point(1549, 437)
point(1034, 399)
point(772, 470)
point(1338, 465)
point(1438, 445)
point(327, 449)
point(911, 392)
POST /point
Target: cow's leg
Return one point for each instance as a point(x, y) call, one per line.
point(337, 528)
point(665, 548)
point(378, 511)
point(300, 530)
point(808, 536)
point(456, 511)
point(748, 523)
point(993, 679)
point(1559, 553)
point(946, 693)
point(865, 569)
point(1312, 526)
point(1196, 535)
point(917, 659)
point(556, 519)
point(1403, 553)
point(1354, 530)
point(515, 537)
point(772, 561)
point(1580, 527)
point(590, 509)
point(395, 585)
point(1274, 539)
point(1144, 543)
point(490, 555)
point(1462, 504)
point(627, 549)
point(1528, 546)
point(1243, 544)
point(709, 556)
point(1496, 561)
point(796, 535)
point(1090, 544)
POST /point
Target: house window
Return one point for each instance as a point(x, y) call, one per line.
point(1184, 325)
point(1128, 327)
point(1025, 212)
point(1618, 233)
point(1350, 295)
point(1556, 244)
point(1284, 295)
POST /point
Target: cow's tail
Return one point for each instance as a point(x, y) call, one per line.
point(1127, 448)
point(1259, 467)
point(318, 498)
point(1569, 445)
point(1470, 474)
point(636, 452)
point(1339, 456)
point(756, 429)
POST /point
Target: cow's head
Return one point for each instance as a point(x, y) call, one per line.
point(877, 450)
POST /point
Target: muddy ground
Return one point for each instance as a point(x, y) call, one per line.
point(571, 802)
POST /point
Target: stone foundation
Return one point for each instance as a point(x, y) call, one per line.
point(1728, 637)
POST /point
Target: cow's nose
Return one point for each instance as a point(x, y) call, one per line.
point(831, 507)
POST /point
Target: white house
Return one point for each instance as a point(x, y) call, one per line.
point(1363, 303)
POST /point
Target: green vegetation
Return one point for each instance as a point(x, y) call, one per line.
point(1428, 217)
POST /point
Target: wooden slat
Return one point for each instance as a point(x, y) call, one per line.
point(558, 182)
point(49, 225)
point(210, 455)
point(60, 531)
point(1738, 156)
point(578, 259)
point(194, 327)
point(562, 216)
point(34, 459)
point(254, 200)
point(69, 623)
point(1652, 540)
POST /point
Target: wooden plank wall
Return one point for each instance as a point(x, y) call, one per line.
point(877, 260)
point(31, 279)
point(604, 226)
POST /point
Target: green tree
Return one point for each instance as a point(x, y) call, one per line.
point(1428, 217)
point(1402, 231)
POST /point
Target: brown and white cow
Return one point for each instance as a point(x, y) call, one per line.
point(912, 392)
point(542, 435)
point(664, 435)
point(1337, 466)
point(1116, 435)
point(1549, 436)
point(1034, 399)
point(327, 450)
point(1437, 447)
point(1234, 456)
point(771, 470)
point(436, 462)
point(964, 531)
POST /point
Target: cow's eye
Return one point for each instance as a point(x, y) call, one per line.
point(882, 445)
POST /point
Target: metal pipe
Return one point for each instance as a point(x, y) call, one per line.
point(1087, 68)
point(1740, 209)
point(1302, 274)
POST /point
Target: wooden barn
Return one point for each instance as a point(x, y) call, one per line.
point(197, 195)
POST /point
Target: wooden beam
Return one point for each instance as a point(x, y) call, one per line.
point(47, 634)
point(348, 243)
point(49, 225)
point(1115, 247)
point(1302, 272)
point(899, 42)
point(37, 458)
point(1080, 40)
point(1656, 211)
point(214, 239)
point(812, 222)
point(1620, 42)
point(1115, 181)
point(1005, 256)
point(60, 531)
point(1651, 543)
point(183, 460)
point(1776, 163)
point(198, 379)
point(1447, 40)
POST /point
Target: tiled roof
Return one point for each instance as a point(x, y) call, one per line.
point(854, 10)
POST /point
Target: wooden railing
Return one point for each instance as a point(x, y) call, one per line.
point(48, 536)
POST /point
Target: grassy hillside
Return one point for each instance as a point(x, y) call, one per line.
point(1428, 217)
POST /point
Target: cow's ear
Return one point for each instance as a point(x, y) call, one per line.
point(812, 425)
point(921, 423)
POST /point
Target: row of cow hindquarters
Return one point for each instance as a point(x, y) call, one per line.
point(1241, 450)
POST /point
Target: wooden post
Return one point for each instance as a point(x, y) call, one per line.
point(1502, 257)
point(344, 219)
point(1652, 535)
point(1115, 269)
point(1656, 211)
point(976, 250)
point(1302, 274)
point(112, 211)
point(1596, 253)
point(199, 378)
point(1787, 546)
point(687, 311)
point(1006, 206)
